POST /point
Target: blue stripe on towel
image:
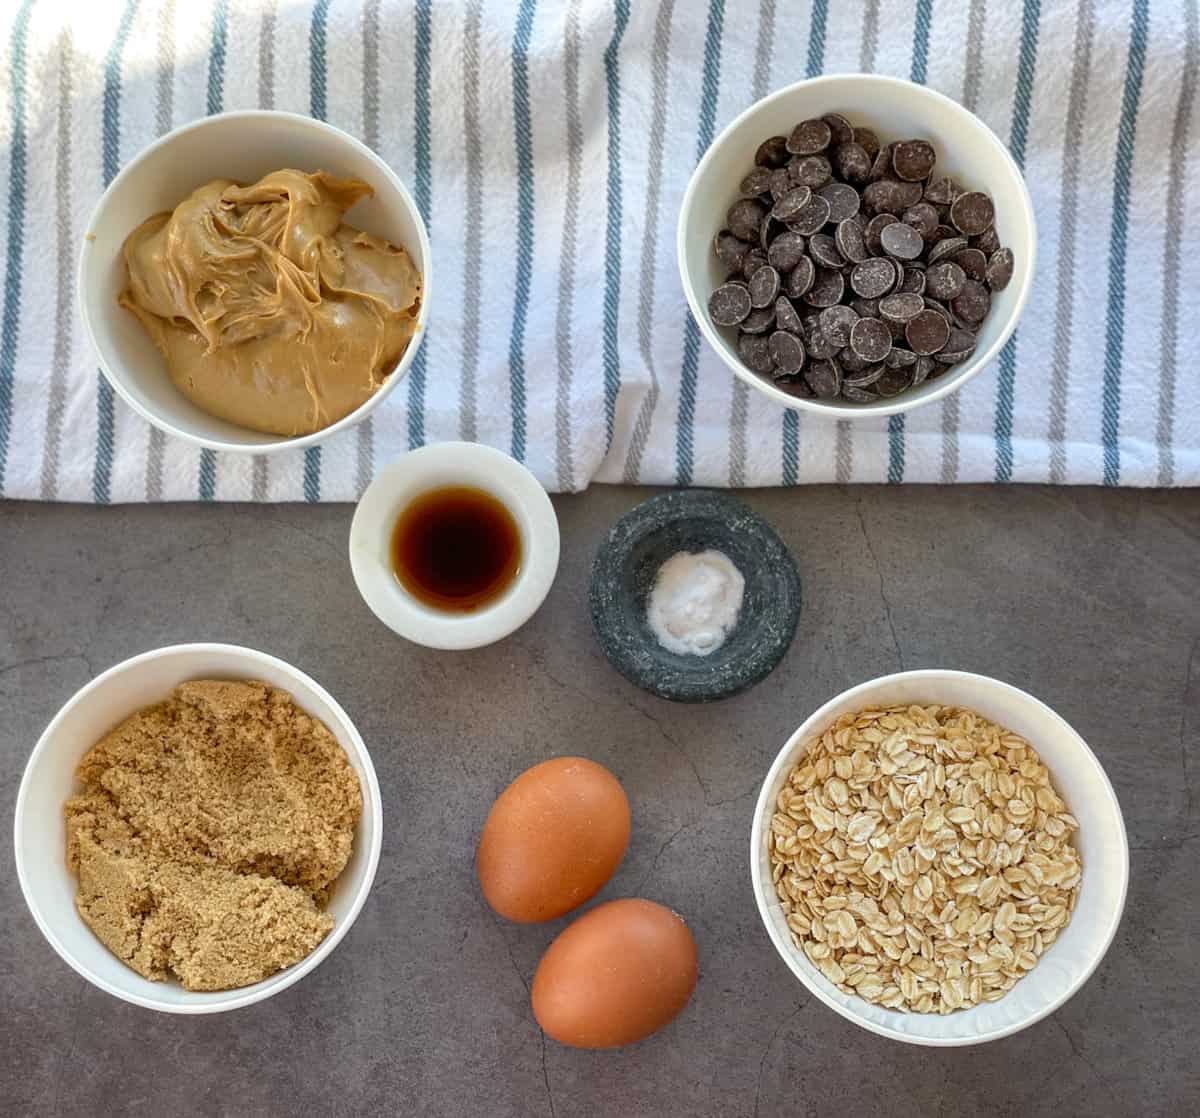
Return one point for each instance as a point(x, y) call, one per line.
point(422, 191)
point(523, 136)
point(11, 326)
point(710, 85)
point(1007, 381)
point(110, 159)
point(1114, 334)
point(612, 228)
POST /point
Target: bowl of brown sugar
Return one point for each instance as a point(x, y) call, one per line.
point(198, 828)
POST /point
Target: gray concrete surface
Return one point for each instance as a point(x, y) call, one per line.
point(1087, 598)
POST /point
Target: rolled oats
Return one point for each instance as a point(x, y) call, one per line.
point(923, 857)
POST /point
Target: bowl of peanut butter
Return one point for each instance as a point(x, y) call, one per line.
point(255, 281)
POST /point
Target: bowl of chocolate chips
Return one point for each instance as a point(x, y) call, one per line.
point(857, 245)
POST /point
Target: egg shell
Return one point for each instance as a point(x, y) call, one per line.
point(553, 838)
point(617, 974)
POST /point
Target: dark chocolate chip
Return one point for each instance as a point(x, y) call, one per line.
point(764, 286)
point(772, 152)
point(800, 278)
point(987, 242)
point(959, 347)
point(752, 261)
point(857, 395)
point(787, 351)
point(836, 324)
point(870, 339)
point(901, 306)
point(901, 240)
point(972, 213)
point(809, 137)
point(786, 317)
point(788, 206)
point(945, 248)
point(744, 218)
point(824, 378)
point(755, 352)
point(730, 250)
point(973, 262)
point(851, 362)
point(893, 382)
point(927, 332)
point(872, 278)
point(914, 280)
point(811, 217)
point(729, 304)
point(899, 358)
point(999, 269)
point(785, 250)
point(821, 347)
point(923, 218)
point(941, 192)
point(852, 162)
point(780, 183)
point(849, 239)
point(913, 160)
point(881, 167)
point(823, 249)
point(843, 201)
point(827, 288)
point(756, 182)
point(759, 320)
point(944, 280)
point(811, 170)
point(883, 197)
point(868, 141)
point(972, 303)
point(922, 369)
point(840, 128)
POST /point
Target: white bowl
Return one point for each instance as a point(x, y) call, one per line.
point(40, 833)
point(433, 467)
point(1100, 840)
point(243, 146)
point(967, 150)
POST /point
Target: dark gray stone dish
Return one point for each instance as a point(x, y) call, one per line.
point(623, 575)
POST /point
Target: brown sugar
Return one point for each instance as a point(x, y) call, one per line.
point(210, 833)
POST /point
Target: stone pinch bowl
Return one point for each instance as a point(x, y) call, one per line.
point(627, 565)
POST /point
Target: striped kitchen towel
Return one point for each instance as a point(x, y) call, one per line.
point(548, 143)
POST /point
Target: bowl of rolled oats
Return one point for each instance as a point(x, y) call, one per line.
point(939, 857)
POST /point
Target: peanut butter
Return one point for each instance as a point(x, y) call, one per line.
point(271, 313)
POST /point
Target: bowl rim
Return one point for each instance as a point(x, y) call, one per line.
point(277, 445)
point(758, 825)
point(280, 981)
point(899, 404)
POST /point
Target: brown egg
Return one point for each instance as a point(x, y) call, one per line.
point(616, 975)
point(554, 836)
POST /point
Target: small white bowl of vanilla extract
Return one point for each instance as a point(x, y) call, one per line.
point(454, 545)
